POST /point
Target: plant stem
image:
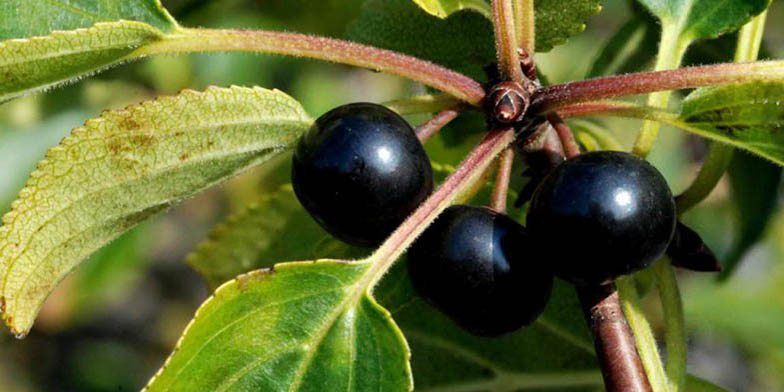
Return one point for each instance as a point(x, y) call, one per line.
point(553, 97)
point(646, 343)
point(564, 134)
point(506, 41)
point(716, 163)
point(677, 351)
point(671, 51)
point(525, 26)
point(615, 346)
point(465, 176)
point(329, 49)
point(501, 186)
point(432, 126)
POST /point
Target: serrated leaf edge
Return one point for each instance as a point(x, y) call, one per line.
point(53, 154)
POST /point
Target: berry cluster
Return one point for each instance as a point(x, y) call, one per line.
point(361, 171)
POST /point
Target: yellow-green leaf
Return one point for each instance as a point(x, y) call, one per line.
point(31, 18)
point(298, 327)
point(125, 166)
point(33, 64)
point(444, 8)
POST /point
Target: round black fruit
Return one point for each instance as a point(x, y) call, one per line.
point(601, 215)
point(475, 265)
point(360, 171)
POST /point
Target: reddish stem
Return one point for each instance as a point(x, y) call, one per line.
point(329, 49)
point(506, 41)
point(432, 126)
point(553, 97)
point(565, 135)
point(613, 339)
point(501, 188)
point(592, 108)
point(469, 171)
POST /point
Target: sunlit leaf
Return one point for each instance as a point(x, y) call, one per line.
point(444, 8)
point(298, 327)
point(31, 18)
point(695, 19)
point(33, 64)
point(125, 166)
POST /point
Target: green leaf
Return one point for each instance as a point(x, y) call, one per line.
point(696, 384)
point(444, 8)
point(749, 116)
point(125, 166)
point(554, 352)
point(34, 64)
point(755, 193)
point(26, 19)
point(557, 20)
point(696, 19)
point(298, 327)
point(276, 228)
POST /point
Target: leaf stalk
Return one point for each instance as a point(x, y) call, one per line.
point(188, 40)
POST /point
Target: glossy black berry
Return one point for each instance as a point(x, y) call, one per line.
point(475, 265)
point(601, 215)
point(360, 171)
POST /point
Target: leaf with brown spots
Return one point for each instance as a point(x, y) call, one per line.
point(125, 166)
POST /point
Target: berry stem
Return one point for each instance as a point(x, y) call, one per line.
point(432, 126)
point(554, 97)
point(463, 179)
point(501, 186)
point(506, 41)
point(525, 30)
point(615, 346)
point(187, 40)
point(564, 134)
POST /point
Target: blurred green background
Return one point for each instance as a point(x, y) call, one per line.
point(110, 325)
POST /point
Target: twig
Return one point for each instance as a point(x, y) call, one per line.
point(615, 346)
point(565, 135)
point(506, 42)
point(432, 126)
point(501, 187)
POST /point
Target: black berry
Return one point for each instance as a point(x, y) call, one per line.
point(360, 171)
point(474, 264)
point(601, 215)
